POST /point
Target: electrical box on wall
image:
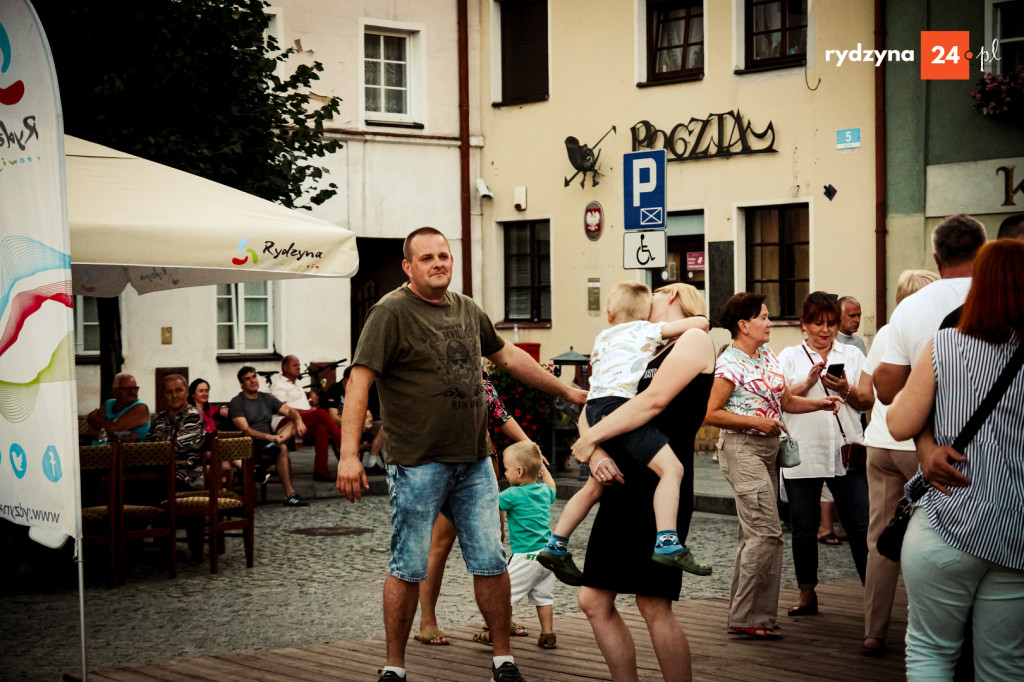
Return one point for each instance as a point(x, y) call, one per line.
point(166, 335)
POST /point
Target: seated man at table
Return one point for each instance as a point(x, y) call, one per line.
point(285, 387)
point(250, 411)
point(123, 418)
point(373, 435)
point(182, 425)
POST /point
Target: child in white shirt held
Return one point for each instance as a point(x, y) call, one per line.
point(618, 362)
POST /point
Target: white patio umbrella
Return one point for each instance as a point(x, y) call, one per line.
point(137, 222)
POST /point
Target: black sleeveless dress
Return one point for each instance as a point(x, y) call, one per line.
point(622, 538)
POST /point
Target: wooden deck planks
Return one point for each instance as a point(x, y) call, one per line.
point(813, 648)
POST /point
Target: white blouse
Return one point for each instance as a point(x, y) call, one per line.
point(817, 432)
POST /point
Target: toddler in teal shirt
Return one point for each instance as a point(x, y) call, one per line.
point(526, 504)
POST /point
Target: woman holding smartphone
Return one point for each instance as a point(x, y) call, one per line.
point(818, 368)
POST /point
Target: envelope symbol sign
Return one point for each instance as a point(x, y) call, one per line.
point(650, 216)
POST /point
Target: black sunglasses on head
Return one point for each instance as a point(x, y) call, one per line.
point(821, 298)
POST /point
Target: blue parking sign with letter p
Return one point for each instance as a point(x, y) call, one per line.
point(643, 183)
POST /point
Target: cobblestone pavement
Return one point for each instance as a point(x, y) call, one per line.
point(304, 589)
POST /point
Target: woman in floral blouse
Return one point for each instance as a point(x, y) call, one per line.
point(747, 400)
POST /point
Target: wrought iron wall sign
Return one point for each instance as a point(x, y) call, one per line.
point(583, 159)
point(717, 136)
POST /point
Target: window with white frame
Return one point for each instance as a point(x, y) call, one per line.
point(386, 74)
point(245, 314)
point(675, 40)
point(87, 326)
point(778, 258)
point(775, 33)
point(275, 30)
point(528, 271)
point(394, 73)
point(523, 39)
point(1004, 36)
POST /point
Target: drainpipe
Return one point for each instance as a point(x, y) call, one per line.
point(467, 232)
point(881, 293)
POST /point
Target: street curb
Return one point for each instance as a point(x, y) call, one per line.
point(566, 487)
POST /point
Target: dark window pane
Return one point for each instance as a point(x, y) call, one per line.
point(90, 337)
point(778, 261)
point(394, 48)
point(371, 45)
point(394, 75)
point(797, 41)
point(394, 101)
point(695, 57)
point(371, 72)
point(524, 51)
point(527, 271)
point(373, 99)
point(767, 45)
point(225, 337)
point(669, 60)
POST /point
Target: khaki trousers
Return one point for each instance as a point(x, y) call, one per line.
point(748, 463)
point(888, 471)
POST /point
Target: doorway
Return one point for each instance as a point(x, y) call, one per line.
point(685, 259)
point(380, 271)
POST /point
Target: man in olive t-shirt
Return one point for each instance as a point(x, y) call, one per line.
point(422, 344)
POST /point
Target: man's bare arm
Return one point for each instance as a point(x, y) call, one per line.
point(888, 379)
point(351, 475)
point(519, 364)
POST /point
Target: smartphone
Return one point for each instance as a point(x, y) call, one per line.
point(836, 370)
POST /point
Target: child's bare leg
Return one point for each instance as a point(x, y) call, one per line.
point(667, 548)
point(666, 494)
point(546, 616)
point(579, 505)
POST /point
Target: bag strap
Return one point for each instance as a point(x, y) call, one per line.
point(918, 485)
point(999, 388)
point(834, 414)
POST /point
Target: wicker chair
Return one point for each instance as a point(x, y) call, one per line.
point(99, 484)
point(221, 510)
point(146, 467)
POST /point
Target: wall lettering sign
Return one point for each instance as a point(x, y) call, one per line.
point(714, 137)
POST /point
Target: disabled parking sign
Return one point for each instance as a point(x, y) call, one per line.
point(643, 183)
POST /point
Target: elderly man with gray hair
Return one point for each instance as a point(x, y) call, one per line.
point(181, 424)
point(849, 323)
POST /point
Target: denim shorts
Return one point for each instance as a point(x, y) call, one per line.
point(466, 493)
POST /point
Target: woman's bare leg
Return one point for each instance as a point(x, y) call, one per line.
point(440, 546)
point(670, 643)
point(611, 632)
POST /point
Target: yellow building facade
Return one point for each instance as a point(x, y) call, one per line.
point(755, 123)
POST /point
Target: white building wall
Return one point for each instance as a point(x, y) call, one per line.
point(390, 181)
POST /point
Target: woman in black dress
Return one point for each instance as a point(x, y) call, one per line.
point(674, 392)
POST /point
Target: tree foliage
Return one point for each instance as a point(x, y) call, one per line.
point(191, 84)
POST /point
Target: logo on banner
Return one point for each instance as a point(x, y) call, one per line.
point(19, 462)
point(243, 261)
point(10, 94)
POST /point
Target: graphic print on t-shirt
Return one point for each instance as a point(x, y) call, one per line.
point(457, 365)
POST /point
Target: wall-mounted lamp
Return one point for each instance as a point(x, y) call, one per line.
point(519, 198)
point(481, 187)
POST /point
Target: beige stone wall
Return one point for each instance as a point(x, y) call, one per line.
point(595, 63)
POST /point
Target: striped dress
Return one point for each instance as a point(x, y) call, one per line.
point(986, 518)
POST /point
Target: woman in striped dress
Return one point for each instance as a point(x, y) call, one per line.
point(964, 550)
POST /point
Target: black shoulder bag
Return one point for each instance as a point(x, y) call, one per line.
point(890, 542)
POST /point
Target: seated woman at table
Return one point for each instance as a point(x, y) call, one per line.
point(199, 397)
point(182, 425)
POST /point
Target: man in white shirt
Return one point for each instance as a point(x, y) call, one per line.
point(285, 387)
point(955, 242)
